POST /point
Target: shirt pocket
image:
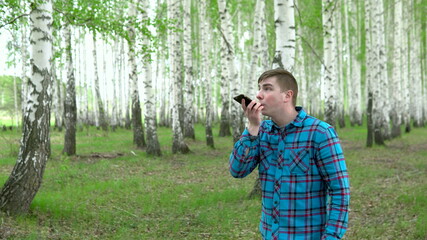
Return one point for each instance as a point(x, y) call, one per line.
point(266, 155)
point(299, 161)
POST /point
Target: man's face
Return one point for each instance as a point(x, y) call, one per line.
point(270, 96)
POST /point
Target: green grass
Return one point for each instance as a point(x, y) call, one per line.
point(134, 196)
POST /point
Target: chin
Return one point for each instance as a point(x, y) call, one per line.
point(265, 113)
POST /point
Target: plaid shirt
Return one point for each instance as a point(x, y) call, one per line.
point(304, 180)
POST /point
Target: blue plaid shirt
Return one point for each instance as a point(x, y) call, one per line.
point(304, 180)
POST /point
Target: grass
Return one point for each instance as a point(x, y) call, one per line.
point(122, 193)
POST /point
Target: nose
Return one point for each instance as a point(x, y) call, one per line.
point(259, 95)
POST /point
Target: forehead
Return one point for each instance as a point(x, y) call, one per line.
point(270, 81)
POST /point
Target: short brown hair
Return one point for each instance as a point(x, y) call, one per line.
point(285, 80)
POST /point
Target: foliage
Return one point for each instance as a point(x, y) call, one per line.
point(135, 196)
point(7, 102)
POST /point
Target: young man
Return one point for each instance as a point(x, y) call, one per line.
point(304, 180)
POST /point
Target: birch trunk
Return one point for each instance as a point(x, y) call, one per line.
point(259, 36)
point(153, 146)
point(138, 131)
point(26, 177)
point(178, 144)
point(381, 106)
point(340, 56)
point(101, 111)
point(121, 83)
point(370, 87)
point(164, 95)
point(205, 35)
point(397, 77)
point(329, 77)
point(228, 72)
point(353, 65)
point(116, 85)
point(406, 117)
point(25, 66)
point(285, 34)
point(70, 110)
point(86, 89)
point(226, 58)
point(189, 115)
point(416, 76)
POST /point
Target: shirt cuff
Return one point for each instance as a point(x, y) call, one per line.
point(247, 135)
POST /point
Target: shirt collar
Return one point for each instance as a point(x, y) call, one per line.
point(297, 122)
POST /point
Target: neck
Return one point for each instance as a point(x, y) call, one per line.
point(286, 117)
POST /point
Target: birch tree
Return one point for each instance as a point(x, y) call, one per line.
point(353, 65)
point(178, 144)
point(381, 107)
point(70, 109)
point(415, 67)
point(205, 69)
point(329, 76)
point(153, 146)
point(24, 60)
point(406, 116)
point(26, 177)
point(226, 59)
point(285, 34)
point(101, 111)
point(138, 131)
point(376, 73)
point(188, 74)
point(397, 77)
point(259, 37)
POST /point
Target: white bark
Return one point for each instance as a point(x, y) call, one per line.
point(397, 77)
point(101, 109)
point(406, 111)
point(25, 65)
point(70, 110)
point(384, 107)
point(285, 34)
point(415, 75)
point(340, 56)
point(300, 74)
point(226, 62)
point(353, 64)
point(153, 146)
point(258, 63)
point(138, 131)
point(206, 79)
point(178, 144)
point(329, 76)
point(26, 177)
point(189, 115)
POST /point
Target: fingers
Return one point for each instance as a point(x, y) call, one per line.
point(252, 108)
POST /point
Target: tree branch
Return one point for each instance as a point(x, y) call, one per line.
point(14, 20)
point(230, 48)
point(305, 41)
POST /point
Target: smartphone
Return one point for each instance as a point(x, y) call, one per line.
point(242, 96)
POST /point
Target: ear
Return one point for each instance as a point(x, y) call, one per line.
point(287, 96)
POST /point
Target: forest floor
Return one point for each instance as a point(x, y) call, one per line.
point(111, 190)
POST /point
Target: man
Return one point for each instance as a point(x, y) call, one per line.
point(304, 180)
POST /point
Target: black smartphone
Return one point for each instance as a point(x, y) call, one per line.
point(242, 96)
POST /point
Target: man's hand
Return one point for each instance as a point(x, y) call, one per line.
point(253, 113)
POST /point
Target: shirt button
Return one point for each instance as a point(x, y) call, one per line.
point(276, 202)
point(275, 222)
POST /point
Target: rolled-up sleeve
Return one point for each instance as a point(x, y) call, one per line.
point(245, 155)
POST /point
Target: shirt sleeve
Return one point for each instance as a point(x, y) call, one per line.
point(332, 167)
point(245, 155)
